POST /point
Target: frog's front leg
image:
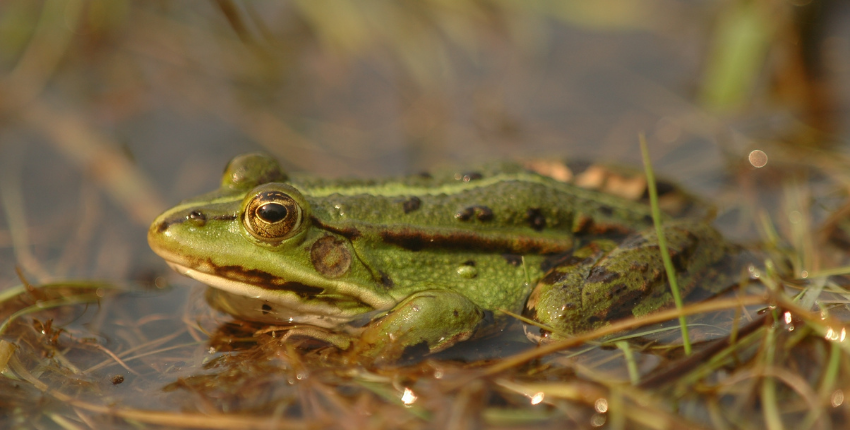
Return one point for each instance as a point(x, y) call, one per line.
point(432, 319)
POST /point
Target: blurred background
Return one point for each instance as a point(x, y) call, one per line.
point(113, 110)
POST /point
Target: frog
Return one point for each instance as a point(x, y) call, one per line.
point(381, 268)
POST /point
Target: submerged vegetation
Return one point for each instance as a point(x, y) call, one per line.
point(109, 88)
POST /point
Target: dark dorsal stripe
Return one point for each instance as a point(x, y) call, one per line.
point(416, 239)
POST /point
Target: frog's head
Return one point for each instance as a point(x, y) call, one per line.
point(254, 238)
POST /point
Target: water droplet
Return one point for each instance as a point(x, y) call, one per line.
point(837, 398)
point(601, 405)
point(758, 158)
point(598, 420)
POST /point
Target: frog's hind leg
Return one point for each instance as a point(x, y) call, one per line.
point(630, 279)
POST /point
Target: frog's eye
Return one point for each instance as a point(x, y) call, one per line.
point(272, 215)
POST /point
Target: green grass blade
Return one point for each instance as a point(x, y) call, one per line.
point(662, 242)
point(634, 376)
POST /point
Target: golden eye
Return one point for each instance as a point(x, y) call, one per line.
point(272, 215)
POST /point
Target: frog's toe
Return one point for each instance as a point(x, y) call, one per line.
point(339, 340)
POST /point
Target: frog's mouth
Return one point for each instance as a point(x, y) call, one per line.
point(291, 303)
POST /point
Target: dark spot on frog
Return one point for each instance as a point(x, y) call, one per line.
point(535, 219)
point(266, 309)
point(386, 280)
point(586, 225)
point(615, 291)
point(623, 306)
point(513, 259)
point(553, 277)
point(563, 259)
point(330, 256)
point(411, 204)
point(482, 213)
point(682, 256)
point(601, 274)
point(455, 313)
point(464, 214)
point(680, 260)
point(583, 225)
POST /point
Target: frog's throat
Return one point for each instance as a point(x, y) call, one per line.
point(297, 309)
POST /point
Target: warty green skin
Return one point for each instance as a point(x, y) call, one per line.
point(409, 261)
point(606, 281)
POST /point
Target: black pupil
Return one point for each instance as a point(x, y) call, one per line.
point(272, 212)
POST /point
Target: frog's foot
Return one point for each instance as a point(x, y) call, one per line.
point(432, 320)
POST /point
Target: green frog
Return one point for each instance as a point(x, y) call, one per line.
point(380, 267)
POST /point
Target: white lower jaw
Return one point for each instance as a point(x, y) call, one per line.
point(286, 307)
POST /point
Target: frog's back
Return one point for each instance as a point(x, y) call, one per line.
point(501, 197)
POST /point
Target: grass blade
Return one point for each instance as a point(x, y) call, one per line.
point(662, 242)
